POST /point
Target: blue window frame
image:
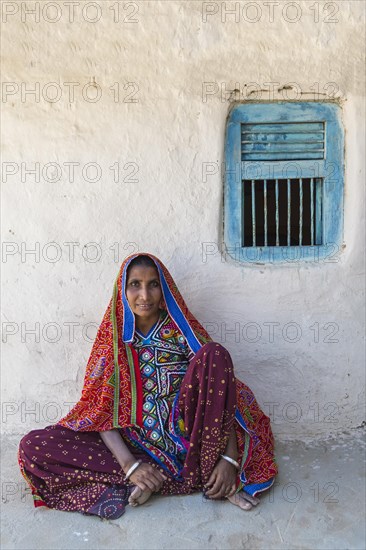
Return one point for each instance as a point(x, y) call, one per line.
point(284, 171)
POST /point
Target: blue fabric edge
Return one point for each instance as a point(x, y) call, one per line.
point(255, 488)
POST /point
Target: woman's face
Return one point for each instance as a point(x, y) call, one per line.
point(144, 293)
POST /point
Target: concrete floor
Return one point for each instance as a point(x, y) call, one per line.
point(318, 503)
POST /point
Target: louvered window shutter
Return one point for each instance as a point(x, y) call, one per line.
point(283, 181)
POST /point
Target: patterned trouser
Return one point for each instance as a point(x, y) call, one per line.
point(75, 471)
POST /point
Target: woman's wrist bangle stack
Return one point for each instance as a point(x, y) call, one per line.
point(132, 469)
point(231, 460)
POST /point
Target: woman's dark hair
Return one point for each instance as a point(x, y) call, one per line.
point(142, 260)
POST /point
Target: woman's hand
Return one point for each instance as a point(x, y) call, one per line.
point(222, 482)
point(148, 478)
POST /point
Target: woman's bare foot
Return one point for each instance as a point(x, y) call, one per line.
point(138, 496)
point(243, 500)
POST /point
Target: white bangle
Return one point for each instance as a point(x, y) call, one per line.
point(232, 461)
point(132, 469)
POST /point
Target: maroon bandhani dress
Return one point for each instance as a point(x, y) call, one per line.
point(188, 401)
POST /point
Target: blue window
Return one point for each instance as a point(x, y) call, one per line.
point(284, 165)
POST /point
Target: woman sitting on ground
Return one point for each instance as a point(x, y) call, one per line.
point(161, 412)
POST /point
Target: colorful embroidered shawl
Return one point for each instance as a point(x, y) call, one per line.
point(112, 391)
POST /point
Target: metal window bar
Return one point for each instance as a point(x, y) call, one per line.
point(253, 214)
point(309, 214)
point(277, 216)
point(318, 211)
point(288, 212)
point(312, 211)
point(265, 212)
point(300, 213)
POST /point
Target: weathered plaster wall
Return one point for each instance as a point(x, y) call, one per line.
point(173, 135)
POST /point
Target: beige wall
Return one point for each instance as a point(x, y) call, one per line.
point(173, 64)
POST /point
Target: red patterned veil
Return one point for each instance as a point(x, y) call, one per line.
point(112, 393)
